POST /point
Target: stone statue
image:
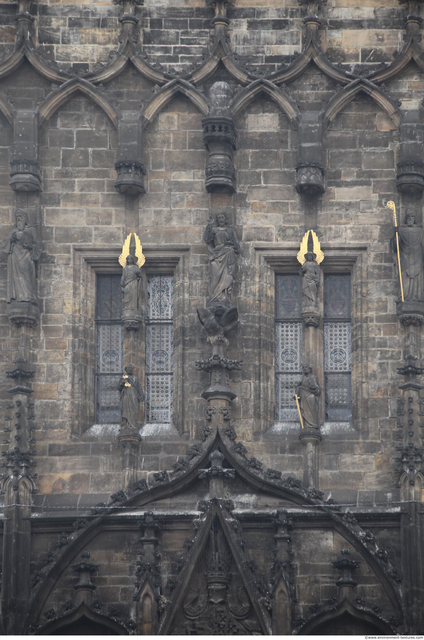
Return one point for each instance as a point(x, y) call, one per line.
point(308, 392)
point(310, 273)
point(411, 257)
point(223, 247)
point(131, 395)
point(24, 247)
point(130, 284)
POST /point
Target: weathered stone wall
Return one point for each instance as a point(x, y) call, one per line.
point(83, 222)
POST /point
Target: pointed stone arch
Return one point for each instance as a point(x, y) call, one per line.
point(74, 623)
point(67, 91)
point(178, 481)
point(165, 95)
point(214, 529)
point(346, 95)
point(345, 613)
point(251, 92)
point(412, 491)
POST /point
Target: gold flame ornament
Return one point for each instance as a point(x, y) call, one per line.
point(141, 259)
point(391, 205)
point(316, 248)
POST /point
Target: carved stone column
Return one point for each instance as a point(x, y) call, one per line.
point(411, 452)
point(283, 576)
point(309, 168)
point(219, 136)
point(410, 168)
point(17, 485)
point(129, 166)
point(24, 167)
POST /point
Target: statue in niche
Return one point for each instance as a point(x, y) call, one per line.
point(24, 248)
point(130, 284)
point(308, 392)
point(310, 273)
point(223, 246)
point(132, 395)
point(411, 256)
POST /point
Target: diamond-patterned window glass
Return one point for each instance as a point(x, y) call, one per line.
point(109, 348)
point(337, 348)
point(288, 345)
point(159, 349)
point(288, 296)
point(337, 296)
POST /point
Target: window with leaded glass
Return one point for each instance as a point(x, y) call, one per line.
point(288, 345)
point(109, 348)
point(159, 348)
point(337, 347)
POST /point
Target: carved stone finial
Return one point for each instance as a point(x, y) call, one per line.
point(410, 371)
point(85, 570)
point(346, 565)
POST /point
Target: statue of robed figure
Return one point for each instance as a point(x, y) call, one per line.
point(223, 247)
point(308, 392)
point(130, 284)
point(132, 395)
point(410, 237)
point(23, 247)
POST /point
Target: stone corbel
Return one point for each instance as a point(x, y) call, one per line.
point(309, 169)
point(410, 168)
point(129, 167)
point(219, 136)
point(24, 167)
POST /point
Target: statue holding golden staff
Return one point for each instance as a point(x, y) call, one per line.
point(411, 256)
point(132, 395)
point(308, 392)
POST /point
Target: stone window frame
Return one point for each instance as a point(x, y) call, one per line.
point(273, 258)
point(90, 261)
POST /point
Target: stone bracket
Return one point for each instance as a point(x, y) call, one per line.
point(24, 167)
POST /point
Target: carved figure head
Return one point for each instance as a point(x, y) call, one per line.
point(306, 369)
point(221, 219)
point(21, 219)
point(129, 369)
point(310, 256)
point(130, 259)
point(410, 216)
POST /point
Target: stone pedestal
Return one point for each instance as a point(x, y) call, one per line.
point(410, 312)
point(130, 178)
point(23, 313)
point(131, 319)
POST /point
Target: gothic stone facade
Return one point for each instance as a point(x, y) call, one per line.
point(218, 513)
